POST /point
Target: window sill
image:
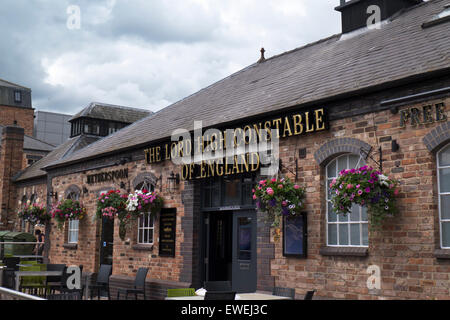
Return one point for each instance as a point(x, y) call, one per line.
point(143, 247)
point(442, 254)
point(344, 251)
point(70, 246)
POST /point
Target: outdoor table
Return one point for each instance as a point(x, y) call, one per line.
point(243, 296)
point(35, 273)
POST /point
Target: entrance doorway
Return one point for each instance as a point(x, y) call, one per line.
point(106, 241)
point(231, 248)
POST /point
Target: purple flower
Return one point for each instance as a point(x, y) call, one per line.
point(367, 190)
point(273, 203)
point(360, 192)
point(371, 181)
point(285, 211)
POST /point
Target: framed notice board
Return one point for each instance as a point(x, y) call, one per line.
point(295, 236)
point(167, 232)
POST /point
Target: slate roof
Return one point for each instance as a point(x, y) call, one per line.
point(31, 143)
point(322, 70)
point(67, 148)
point(4, 83)
point(96, 110)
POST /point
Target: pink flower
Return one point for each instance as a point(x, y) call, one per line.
point(396, 192)
point(367, 190)
point(274, 180)
point(349, 186)
point(357, 186)
point(280, 186)
point(254, 197)
point(269, 191)
point(296, 187)
point(284, 203)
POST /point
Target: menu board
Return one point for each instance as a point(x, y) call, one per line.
point(167, 232)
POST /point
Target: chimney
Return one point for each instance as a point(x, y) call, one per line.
point(11, 159)
point(357, 14)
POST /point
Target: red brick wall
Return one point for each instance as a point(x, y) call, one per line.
point(403, 249)
point(11, 155)
point(127, 259)
point(23, 116)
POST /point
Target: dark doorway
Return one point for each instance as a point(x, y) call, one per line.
point(106, 241)
point(231, 249)
point(244, 251)
point(220, 253)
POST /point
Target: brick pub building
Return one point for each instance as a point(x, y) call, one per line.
point(378, 96)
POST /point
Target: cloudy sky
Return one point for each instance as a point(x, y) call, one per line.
point(146, 53)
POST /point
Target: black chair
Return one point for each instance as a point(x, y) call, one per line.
point(309, 295)
point(217, 286)
point(139, 285)
point(220, 295)
point(102, 282)
point(9, 276)
point(284, 292)
point(54, 282)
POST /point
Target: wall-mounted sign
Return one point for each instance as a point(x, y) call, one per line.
point(288, 125)
point(212, 168)
point(425, 115)
point(108, 176)
point(295, 236)
point(167, 232)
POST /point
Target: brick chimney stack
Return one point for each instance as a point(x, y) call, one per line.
point(11, 157)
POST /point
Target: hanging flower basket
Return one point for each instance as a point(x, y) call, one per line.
point(111, 205)
point(366, 187)
point(67, 210)
point(278, 198)
point(35, 213)
point(144, 202)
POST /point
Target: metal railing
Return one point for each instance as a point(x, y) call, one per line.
point(3, 243)
point(8, 294)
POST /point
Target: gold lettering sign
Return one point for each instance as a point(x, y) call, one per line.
point(425, 115)
point(293, 124)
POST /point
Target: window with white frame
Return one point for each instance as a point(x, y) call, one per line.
point(145, 223)
point(350, 230)
point(145, 229)
point(73, 225)
point(443, 166)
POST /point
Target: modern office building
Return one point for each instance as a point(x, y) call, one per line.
point(51, 127)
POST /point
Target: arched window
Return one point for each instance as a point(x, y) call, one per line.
point(350, 230)
point(443, 169)
point(73, 226)
point(145, 224)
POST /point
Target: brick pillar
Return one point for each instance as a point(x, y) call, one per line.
point(11, 156)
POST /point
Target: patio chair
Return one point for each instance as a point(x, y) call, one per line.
point(139, 285)
point(284, 292)
point(309, 295)
point(181, 292)
point(217, 285)
point(9, 277)
point(220, 295)
point(63, 285)
point(55, 282)
point(102, 283)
